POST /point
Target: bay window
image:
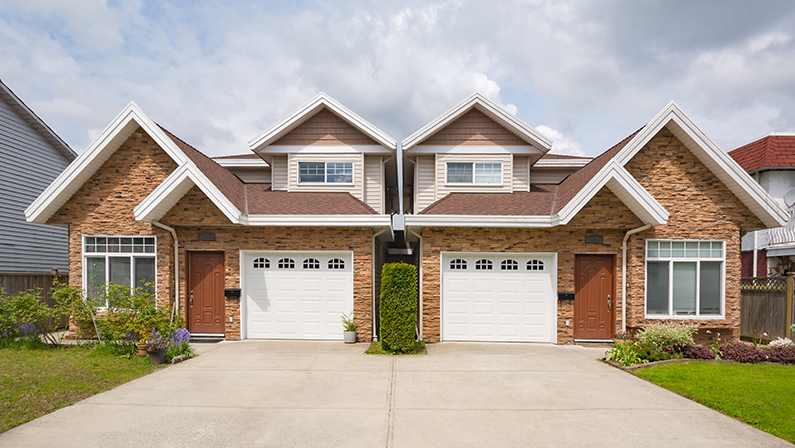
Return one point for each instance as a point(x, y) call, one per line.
point(685, 279)
point(126, 260)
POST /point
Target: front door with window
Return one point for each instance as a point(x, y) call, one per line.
point(594, 297)
point(206, 292)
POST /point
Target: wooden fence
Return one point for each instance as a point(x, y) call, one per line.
point(14, 283)
point(766, 307)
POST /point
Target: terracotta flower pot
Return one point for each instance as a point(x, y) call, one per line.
point(142, 349)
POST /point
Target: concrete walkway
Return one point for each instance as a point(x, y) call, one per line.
point(269, 393)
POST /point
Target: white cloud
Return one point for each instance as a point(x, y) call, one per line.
point(560, 143)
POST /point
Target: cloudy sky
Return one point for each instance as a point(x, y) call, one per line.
point(586, 73)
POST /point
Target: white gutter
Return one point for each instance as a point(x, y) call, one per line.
point(175, 309)
point(419, 311)
point(624, 274)
point(373, 336)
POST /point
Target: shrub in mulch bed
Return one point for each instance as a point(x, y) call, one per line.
point(699, 351)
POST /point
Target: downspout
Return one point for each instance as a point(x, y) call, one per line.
point(624, 274)
point(419, 312)
point(400, 181)
point(175, 308)
point(373, 336)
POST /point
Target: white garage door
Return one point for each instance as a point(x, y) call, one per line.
point(296, 295)
point(498, 297)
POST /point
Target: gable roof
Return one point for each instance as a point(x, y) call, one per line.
point(776, 150)
point(38, 124)
point(320, 102)
point(116, 133)
point(491, 110)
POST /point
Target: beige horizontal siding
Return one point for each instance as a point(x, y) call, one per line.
point(374, 183)
point(325, 128)
point(280, 173)
point(424, 182)
point(521, 181)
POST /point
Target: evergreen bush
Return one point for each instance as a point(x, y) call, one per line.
point(398, 307)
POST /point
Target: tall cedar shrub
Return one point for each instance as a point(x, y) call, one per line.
point(398, 307)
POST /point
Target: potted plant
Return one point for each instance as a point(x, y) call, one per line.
point(349, 335)
point(156, 347)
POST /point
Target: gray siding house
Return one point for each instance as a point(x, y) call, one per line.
point(31, 156)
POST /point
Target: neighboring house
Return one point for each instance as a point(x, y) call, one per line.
point(770, 160)
point(31, 156)
point(512, 243)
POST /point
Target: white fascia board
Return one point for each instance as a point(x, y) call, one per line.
point(476, 149)
point(171, 190)
point(726, 169)
point(327, 149)
point(242, 163)
point(319, 220)
point(480, 221)
point(86, 164)
point(308, 110)
point(561, 163)
point(483, 104)
point(623, 185)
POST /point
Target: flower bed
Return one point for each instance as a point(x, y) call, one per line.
point(674, 341)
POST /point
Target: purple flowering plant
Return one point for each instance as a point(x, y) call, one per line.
point(179, 344)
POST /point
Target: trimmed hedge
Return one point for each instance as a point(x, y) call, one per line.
point(398, 307)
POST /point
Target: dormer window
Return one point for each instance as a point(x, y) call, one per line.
point(325, 172)
point(474, 173)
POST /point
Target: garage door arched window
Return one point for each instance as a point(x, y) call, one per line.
point(535, 265)
point(458, 264)
point(262, 263)
point(311, 263)
point(286, 263)
point(509, 265)
point(483, 265)
point(336, 263)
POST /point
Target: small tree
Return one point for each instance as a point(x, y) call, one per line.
point(398, 307)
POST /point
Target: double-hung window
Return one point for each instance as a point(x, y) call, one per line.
point(685, 279)
point(325, 172)
point(475, 173)
point(126, 260)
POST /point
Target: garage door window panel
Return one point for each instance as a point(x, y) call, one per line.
point(311, 263)
point(286, 263)
point(483, 265)
point(262, 263)
point(684, 279)
point(509, 265)
point(336, 263)
point(458, 264)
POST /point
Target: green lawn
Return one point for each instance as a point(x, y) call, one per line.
point(762, 395)
point(36, 382)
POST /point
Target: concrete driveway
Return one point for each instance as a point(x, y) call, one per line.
point(268, 393)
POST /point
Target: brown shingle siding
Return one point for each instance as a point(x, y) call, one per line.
point(474, 128)
point(325, 128)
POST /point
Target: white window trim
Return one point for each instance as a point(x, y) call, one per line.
point(325, 173)
point(473, 183)
point(698, 261)
point(132, 255)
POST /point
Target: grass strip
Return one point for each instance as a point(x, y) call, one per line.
point(761, 395)
point(36, 382)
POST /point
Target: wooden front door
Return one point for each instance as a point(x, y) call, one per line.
point(594, 297)
point(206, 292)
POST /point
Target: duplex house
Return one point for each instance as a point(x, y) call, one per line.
point(511, 243)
